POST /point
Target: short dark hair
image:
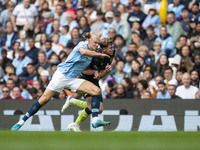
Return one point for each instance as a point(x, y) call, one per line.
point(168, 68)
point(171, 12)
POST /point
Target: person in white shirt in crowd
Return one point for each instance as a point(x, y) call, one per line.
point(186, 91)
point(107, 25)
point(25, 16)
point(71, 21)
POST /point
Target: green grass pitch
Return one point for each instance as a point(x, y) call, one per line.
point(58, 140)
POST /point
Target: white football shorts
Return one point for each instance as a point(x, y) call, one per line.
point(60, 82)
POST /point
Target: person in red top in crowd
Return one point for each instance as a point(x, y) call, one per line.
point(17, 93)
point(70, 8)
point(6, 93)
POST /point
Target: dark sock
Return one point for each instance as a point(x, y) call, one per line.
point(32, 110)
point(88, 111)
point(95, 104)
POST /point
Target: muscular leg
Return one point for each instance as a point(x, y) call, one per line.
point(35, 107)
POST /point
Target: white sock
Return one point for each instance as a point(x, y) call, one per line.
point(76, 124)
point(94, 119)
point(21, 122)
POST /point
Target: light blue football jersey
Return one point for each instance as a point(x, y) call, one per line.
point(75, 62)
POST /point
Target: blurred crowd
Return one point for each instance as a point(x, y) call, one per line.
point(154, 60)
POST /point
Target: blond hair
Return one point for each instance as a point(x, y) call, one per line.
point(89, 35)
point(157, 43)
point(143, 48)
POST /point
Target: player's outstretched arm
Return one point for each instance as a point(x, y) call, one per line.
point(90, 53)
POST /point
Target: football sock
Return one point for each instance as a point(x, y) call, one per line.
point(82, 117)
point(80, 103)
point(95, 104)
point(32, 110)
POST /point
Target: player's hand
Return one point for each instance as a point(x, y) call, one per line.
point(96, 75)
point(104, 55)
point(108, 68)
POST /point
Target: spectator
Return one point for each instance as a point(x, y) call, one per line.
point(5, 16)
point(120, 74)
point(163, 93)
point(70, 8)
point(48, 18)
point(174, 27)
point(128, 86)
point(75, 36)
point(136, 94)
point(195, 81)
point(133, 48)
point(107, 25)
point(56, 47)
point(41, 44)
point(143, 65)
point(23, 40)
point(9, 68)
point(185, 20)
point(90, 13)
point(14, 53)
point(79, 12)
point(197, 62)
point(36, 84)
point(135, 65)
point(152, 19)
point(172, 91)
point(151, 37)
point(54, 58)
point(157, 53)
point(137, 14)
point(71, 21)
point(142, 86)
point(120, 91)
point(33, 52)
point(146, 95)
point(31, 76)
point(65, 36)
point(162, 64)
point(25, 16)
point(69, 48)
point(111, 84)
point(60, 14)
point(108, 6)
point(10, 84)
point(192, 32)
point(194, 11)
point(182, 42)
point(83, 25)
point(15, 78)
point(129, 58)
point(186, 91)
point(21, 62)
point(9, 38)
point(44, 78)
point(48, 49)
point(153, 85)
point(143, 51)
point(121, 49)
point(33, 93)
point(98, 24)
point(17, 93)
point(167, 41)
point(176, 7)
point(186, 64)
point(186, 52)
point(2, 84)
point(5, 59)
point(121, 27)
point(168, 75)
point(123, 10)
point(24, 88)
point(42, 60)
point(179, 74)
point(6, 93)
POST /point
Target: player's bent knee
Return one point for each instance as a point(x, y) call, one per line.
point(96, 91)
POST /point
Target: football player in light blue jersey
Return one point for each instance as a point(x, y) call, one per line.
point(66, 76)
